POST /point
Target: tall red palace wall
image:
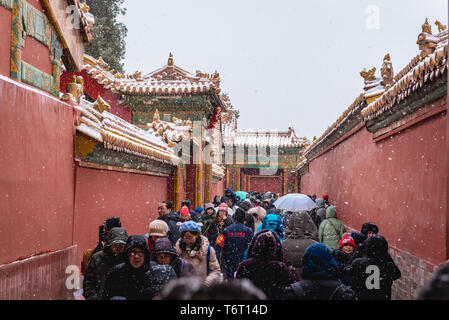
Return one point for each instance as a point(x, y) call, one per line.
point(398, 183)
point(36, 191)
point(101, 194)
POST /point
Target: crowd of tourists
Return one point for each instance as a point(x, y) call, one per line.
point(242, 248)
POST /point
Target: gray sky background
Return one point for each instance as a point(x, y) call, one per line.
point(284, 63)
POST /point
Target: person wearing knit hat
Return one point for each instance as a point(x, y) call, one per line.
point(184, 214)
point(158, 229)
point(344, 255)
point(347, 245)
point(207, 217)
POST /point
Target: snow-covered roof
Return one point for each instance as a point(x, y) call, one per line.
point(263, 138)
point(421, 69)
point(167, 80)
point(118, 135)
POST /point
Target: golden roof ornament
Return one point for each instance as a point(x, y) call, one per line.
point(101, 105)
point(156, 116)
point(426, 27)
point(387, 72)
point(84, 7)
point(170, 60)
point(368, 75)
point(440, 26)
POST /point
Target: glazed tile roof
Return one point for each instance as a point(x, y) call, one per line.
point(168, 80)
point(263, 138)
point(119, 135)
point(410, 79)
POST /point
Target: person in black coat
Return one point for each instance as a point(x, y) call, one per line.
point(320, 278)
point(376, 264)
point(171, 218)
point(236, 240)
point(137, 278)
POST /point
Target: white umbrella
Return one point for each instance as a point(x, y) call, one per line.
point(295, 202)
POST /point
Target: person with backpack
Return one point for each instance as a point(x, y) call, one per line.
point(331, 230)
point(320, 278)
point(195, 248)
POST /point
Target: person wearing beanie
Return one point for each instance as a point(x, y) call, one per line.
point(184, 214)
point(199, 210)
point(158, 229)
point(207, 217)
point(236, 239)
point(195, 216)
point(102, 263)
point(195, 248)
point(331, 230)
point(326, 200)
point(344, 255)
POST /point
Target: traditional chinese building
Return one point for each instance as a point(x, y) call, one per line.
point(172, 103)
point(384, 160)
point(260, 160)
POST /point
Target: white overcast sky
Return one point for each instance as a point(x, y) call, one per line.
point(285, 62)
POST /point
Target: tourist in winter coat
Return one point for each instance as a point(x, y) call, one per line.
point(320, 211)
point(300, 233)
point(194, 248)
point(207, 217)
point(359, 239)
point(108, 224)
point(165, 254)
point(195, 216)
point(368, 229)
point(331, 230)
point(236, 240)
point(265, 265)
point(258, 213)
point(231, 194)
point(220, 222)
point(249, 220)
point(157, 229)
point(171, 218)
point(378, 266)
point(320, 278)
point(137, 278)
point(344, 255)
point(272, 222)
point(102, 263)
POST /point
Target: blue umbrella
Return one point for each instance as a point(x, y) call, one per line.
point(295, 202)
point(241, 194)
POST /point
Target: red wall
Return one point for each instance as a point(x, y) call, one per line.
point(37, 55)
point(264, 184)
point(101, 194)
point(37, 179)
point(218, 188)
point(93, 89)
point(398, 183)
